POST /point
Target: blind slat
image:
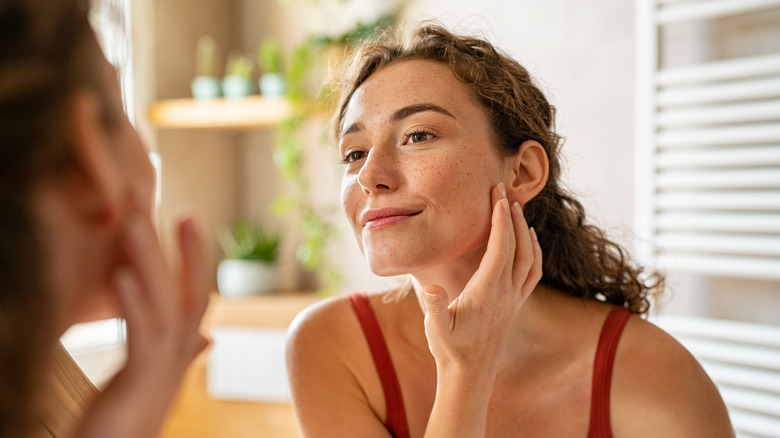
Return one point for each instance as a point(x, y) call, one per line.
point(719, 200)
point(754, 357)
point(734, 222)
point(722, 114)
point(721, 329)
point(749, 89)
point(726, 70)
point(721, 266)
point(751, 400)
point(721, 157)
point(753, 423)
point(719, 179)
point(741, 134)
point(711, 9)
point(764, 245)
point(743, 377)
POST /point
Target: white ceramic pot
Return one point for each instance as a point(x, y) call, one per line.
point(239, 278)
point(205, 87)
point(236, 87)
point(272, 85)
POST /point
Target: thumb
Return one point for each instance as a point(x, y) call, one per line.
point(437, 313)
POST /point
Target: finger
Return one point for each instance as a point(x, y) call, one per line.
point(438, 318)
point(535, 274)
point(146, 258)
point(194, 273)
point(136, 308)
point(497, 193)
point(497, 261)
point(524, 251)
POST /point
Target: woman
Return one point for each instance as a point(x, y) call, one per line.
point(77, 238)
point(449, 153)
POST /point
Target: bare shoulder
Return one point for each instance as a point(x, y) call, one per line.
point(325, 332)
point(660, 389)
point(331, 315)
point(330, 372)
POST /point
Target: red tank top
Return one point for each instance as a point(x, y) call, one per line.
point(395, 417)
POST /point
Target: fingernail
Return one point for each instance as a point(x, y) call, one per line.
point(533, 235)
point(505, 204)
point(502, 190)
point(518, 209)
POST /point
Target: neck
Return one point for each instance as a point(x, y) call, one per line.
point(452, 275)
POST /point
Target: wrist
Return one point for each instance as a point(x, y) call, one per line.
point(466, 383)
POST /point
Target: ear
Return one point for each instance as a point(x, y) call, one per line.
point(528, 173)
point(98, 177)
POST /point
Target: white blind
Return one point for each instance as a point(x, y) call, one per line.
point(708, 150)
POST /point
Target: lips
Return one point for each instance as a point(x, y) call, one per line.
point(386, 216)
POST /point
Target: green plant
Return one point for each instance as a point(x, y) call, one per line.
point(238, 64)
point(269, 56)
point(206, 57)
point(247, 240)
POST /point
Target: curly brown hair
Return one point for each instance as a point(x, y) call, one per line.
point(578, 258)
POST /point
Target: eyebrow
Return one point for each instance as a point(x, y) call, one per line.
point(401, 114)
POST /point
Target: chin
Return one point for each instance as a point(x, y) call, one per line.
point(389, 265)
point(386, 271)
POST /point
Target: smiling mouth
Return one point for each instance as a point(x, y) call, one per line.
point(386, 216)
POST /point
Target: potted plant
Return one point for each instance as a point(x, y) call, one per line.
point(249, 267)
point(237, 82)
point(269, 58)
point(205, 85)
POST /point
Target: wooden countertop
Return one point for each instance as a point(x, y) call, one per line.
point(196, 415)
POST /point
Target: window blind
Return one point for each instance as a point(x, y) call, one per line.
point(708, 150)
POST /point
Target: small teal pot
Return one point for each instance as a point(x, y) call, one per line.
point(272, 85)
point(236, 87)
point(205, 87)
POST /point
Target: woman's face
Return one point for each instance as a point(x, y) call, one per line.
point(419, 167)
point(133, 173)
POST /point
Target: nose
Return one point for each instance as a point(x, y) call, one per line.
point(379, 172)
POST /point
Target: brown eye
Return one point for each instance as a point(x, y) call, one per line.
point(418, 137)
point(353, 156)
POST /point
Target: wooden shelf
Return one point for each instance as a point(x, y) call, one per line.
point(250, 112)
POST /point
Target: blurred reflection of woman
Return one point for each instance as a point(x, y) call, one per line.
point(449, 153)
point(77, 239)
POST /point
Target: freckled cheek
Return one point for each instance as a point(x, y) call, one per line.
point(448, 182)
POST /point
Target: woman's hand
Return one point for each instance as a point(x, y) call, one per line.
point(163, 313)
point(466, 336)
point(472, 328)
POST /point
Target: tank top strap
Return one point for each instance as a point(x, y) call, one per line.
point(395, 416)
point(600, 424)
